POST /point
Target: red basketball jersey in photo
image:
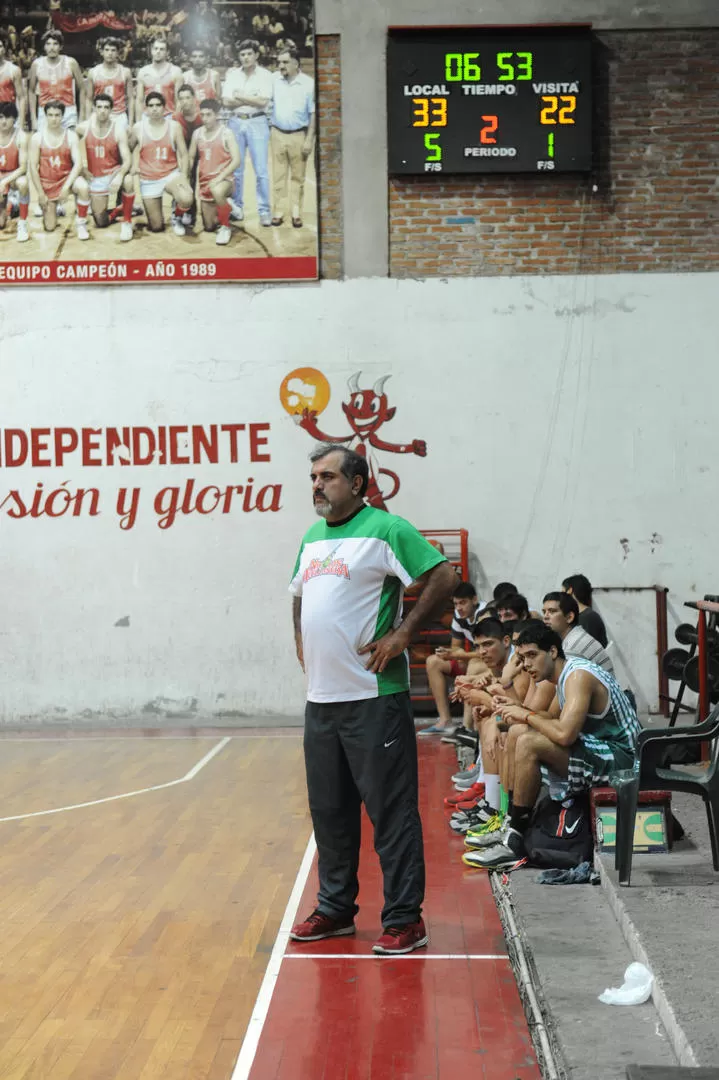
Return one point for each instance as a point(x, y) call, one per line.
point(103, 152)
point(55, 82)
point(189, 127)
point(203, 87)
point(158, 157)
point(164, 84)
point(9, 155)
point(114, 85)
point(213, 157)
point(7, 84)
point(55, 165)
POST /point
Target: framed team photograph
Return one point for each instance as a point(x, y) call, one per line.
point(169, 142)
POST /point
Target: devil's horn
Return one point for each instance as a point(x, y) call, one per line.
point(379, 385)
point(353, 382)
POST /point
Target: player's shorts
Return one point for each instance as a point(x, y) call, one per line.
point(69, 119)
point(100, 185)
point(205, 193)
point(154, 189)
point(457, 667)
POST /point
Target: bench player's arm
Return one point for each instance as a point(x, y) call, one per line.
point(20, 98)
point(33, 162)
point(32, 95)
point(297, 625)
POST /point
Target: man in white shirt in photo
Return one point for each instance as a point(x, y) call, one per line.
point(293, 135)
point(247, 92)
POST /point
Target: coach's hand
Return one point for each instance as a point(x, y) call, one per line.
point(384, 649)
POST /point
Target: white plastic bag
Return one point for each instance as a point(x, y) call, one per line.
point(635, 990)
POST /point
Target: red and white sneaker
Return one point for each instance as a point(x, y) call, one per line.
point(318, 926)
point(475, 793)
point(397, 940)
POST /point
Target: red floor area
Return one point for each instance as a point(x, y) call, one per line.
point(450, 1011)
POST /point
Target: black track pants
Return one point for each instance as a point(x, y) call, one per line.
point(365, 752)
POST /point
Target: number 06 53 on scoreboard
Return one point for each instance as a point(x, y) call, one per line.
point(473, 100)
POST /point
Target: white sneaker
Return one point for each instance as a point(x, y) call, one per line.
point(224, 235)
point(177, 227)
point(82, 233)
point(187, 218)
point(236, 212)
point(126, 230)
point(22, 233)
point(61, 209)
point(38, 210)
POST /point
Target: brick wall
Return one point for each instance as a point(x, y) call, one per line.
point(329, 140)
point(656, 209)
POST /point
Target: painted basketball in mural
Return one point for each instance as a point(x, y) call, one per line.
point(304, 388)
point(366, 410)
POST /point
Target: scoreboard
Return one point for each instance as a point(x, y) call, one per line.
point(474, 100)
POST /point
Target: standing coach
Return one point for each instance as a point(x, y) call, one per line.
point(359, 742)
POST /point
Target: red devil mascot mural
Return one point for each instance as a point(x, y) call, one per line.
point(366, 411)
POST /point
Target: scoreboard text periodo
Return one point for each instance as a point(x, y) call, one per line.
point(496, 100)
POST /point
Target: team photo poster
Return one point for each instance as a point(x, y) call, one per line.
point(170, 142)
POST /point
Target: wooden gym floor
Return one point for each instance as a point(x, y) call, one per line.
point(144, 881)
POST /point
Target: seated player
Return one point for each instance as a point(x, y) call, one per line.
point(216, 153)
point(513, 607)
point(492, 640)
point(579, 587)
point(109, 160)
point(13, 168)
point(588, 732)
point(561, 614)
point(448, 662)
point(112, 78)
point(55, 166)
point(161, 162)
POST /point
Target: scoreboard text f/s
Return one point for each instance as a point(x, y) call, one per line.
point(489, 100)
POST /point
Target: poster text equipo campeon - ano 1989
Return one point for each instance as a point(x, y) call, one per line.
point(167, 141)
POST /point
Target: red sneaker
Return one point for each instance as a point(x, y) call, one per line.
point(396, 940)
point(475, 792)
point(318, 926)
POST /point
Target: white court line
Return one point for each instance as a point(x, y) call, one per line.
point(129, 794)
point(264, 997)
point(401, 956)
point(144, 738)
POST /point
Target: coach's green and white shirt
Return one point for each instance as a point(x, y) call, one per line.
point(351, 578)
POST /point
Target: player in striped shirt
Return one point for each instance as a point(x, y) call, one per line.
point(588, 732)
point(561, 613)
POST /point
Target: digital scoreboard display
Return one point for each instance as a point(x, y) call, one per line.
point(472, 100)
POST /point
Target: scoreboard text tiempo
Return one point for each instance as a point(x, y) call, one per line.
point(489, 100)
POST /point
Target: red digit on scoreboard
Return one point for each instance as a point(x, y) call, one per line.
point(490, 126)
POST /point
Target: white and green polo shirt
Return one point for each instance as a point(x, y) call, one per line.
point(352, 578)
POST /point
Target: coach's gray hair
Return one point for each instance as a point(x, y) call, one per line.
point(352, 464)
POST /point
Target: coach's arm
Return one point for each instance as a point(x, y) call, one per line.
point(438, 584)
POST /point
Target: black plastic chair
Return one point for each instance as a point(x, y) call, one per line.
point(649, 774)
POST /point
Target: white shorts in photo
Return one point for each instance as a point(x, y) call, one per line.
point(100, 185)
point(154, 189)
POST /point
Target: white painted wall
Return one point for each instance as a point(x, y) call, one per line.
point(562, 416)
